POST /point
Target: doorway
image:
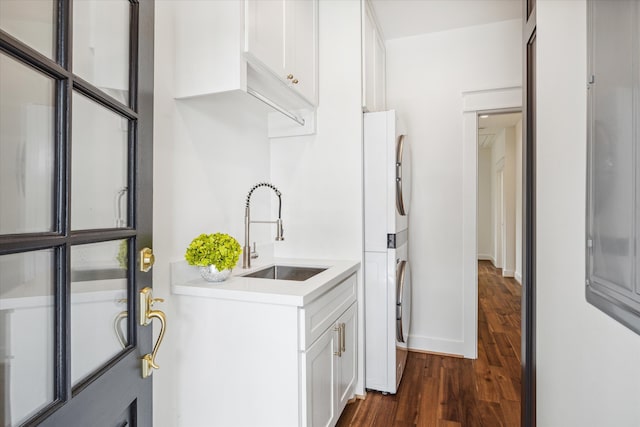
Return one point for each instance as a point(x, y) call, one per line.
point(499, 100)
point(499, 219)
point(499, 293)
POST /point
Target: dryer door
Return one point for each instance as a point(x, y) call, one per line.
point(403, 175)
point(403, 301)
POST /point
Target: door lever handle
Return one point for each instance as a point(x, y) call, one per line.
point(118, 331)
point(146, 317)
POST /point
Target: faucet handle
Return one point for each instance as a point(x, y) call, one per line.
point(254, 253)
point(279, 230)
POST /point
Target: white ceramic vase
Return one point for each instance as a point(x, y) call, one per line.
point(211, 274)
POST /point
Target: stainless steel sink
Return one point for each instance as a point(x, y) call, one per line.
point(286, 272)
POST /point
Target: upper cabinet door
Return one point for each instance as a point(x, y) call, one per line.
point(374, 63)
point(283, 36)
point(368, 69)
point(379, 74)
point(265, 33)
point(302, 47)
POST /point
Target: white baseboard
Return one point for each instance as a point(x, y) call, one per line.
point(508, 273)
point(518, 277)
point(436, 345)
point(484, 257)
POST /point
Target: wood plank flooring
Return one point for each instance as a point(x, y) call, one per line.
point(441, 391)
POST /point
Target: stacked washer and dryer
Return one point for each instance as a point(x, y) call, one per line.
point(387, 277)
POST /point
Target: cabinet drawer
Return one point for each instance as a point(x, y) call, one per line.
point(324, 311)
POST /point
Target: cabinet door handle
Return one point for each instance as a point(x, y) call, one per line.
point(338, 329)
point(343, 339)
point(290, 77)
point(294, 81)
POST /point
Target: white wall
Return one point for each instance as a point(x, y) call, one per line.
point(509, 190)
point(587, 363)
point(209, 152)
point(501, 155)
point(27, 149)
point(497, 167)
point(426, 76)
point(320, 176)
point(485, 199)
point(207, 155)
point(518, 207)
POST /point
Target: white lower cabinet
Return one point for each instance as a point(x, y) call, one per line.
point(329, 371)
point(319, 371)
point(293, 366)
point(347, 362)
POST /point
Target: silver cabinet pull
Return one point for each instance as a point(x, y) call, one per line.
point(338, 329)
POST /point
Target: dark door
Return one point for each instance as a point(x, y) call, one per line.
point(528, 386)
point(76, 101)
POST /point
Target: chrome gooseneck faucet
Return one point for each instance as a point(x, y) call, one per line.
point(247, 253)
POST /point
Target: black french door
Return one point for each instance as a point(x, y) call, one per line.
point(76, 149)
point(529, 45)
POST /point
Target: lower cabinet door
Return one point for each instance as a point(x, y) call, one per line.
point(320, 373)
point(346, 370)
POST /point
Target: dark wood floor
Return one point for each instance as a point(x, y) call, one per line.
point(443, 391)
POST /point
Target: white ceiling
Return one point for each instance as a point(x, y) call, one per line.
point(404, 18)
point(489, 127)
point(499, 121)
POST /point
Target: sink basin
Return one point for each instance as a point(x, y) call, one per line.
point(286, 272)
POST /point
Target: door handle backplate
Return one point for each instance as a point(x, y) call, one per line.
point(147, 259)
point(146, 317)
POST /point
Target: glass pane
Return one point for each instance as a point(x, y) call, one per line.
point(26, 334)
point(31, 22)
point(531, 4)
point(98, 166)
point(613, 142)
point(26, 148)
point(98, 305)
point(101, 44)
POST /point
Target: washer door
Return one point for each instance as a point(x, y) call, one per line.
point(403, 301)
point(403, 175)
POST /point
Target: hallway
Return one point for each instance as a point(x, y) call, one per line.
point(441, 391)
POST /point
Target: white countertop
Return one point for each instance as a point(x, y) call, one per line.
point(186, 280)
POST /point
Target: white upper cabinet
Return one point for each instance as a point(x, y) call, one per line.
point(265, 33)
point(374, 62)
point(302, 54)
point(368, 65)
point(283, 36)
point(264, 48)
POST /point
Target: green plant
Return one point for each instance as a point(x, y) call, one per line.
point(122, 254)
point(219, 249)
